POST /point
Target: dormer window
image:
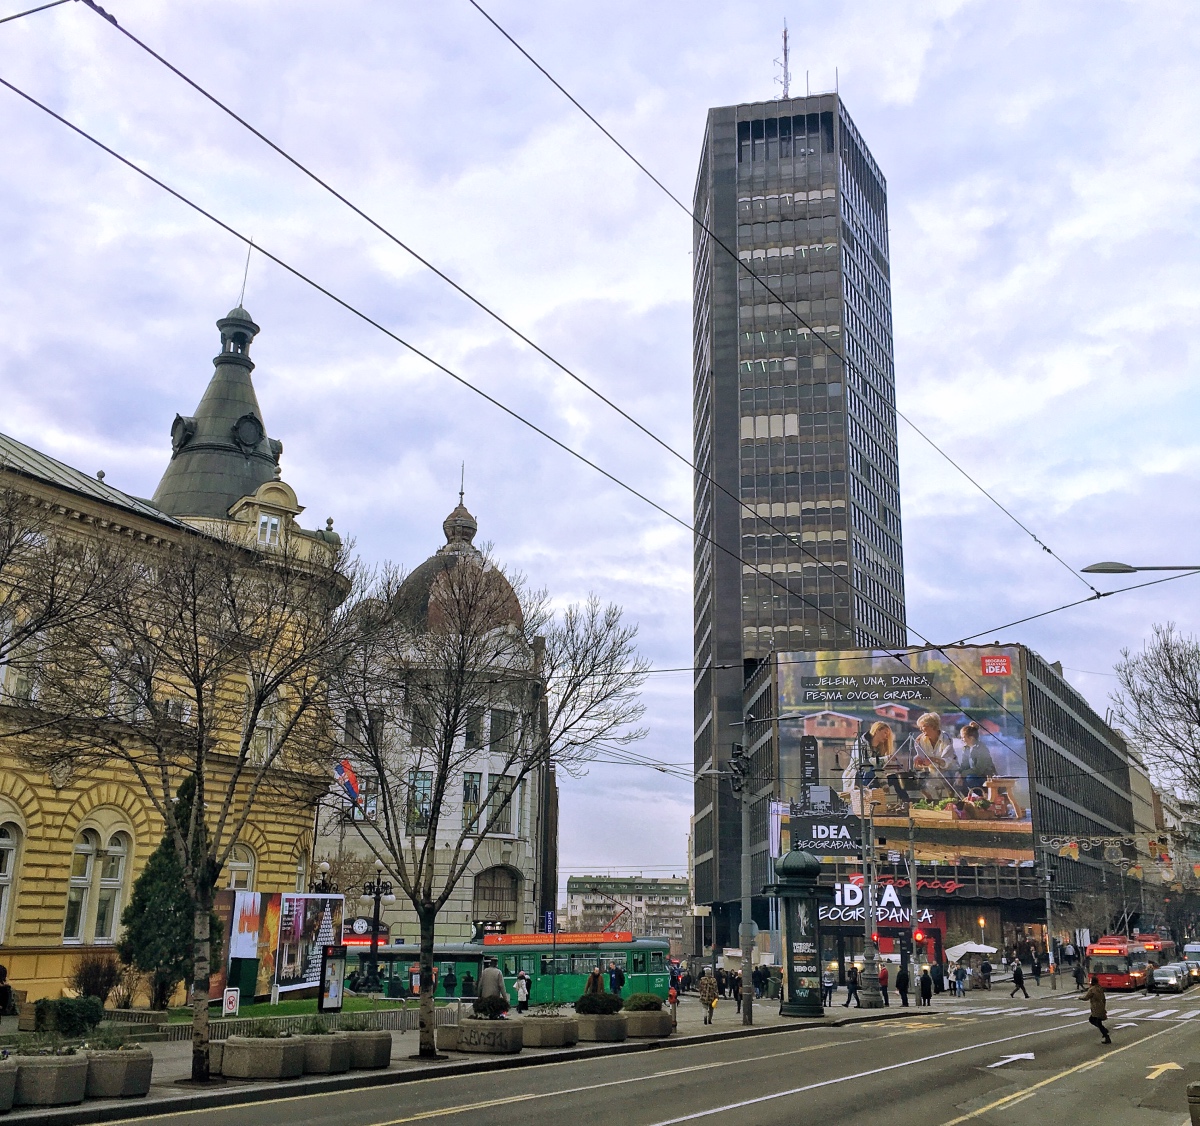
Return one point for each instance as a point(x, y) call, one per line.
point(268, 530)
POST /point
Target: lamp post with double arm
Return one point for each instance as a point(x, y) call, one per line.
point(377, 891)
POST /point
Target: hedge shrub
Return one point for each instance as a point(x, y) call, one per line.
point(643, 1003)
point(598, 1004)
point(490, 1008)
point(69, 1016)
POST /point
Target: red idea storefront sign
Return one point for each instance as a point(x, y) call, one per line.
point(998, 664)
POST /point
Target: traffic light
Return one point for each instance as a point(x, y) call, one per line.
point(875, 938)
point(918, 936)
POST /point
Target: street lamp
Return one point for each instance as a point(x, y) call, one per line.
point(377, 891)
point(982, 920)
point(1126, 569)
point(324, 885)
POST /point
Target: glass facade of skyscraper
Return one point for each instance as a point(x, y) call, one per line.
point(794, 417)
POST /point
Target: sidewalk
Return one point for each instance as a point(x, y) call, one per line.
point(172, 1092)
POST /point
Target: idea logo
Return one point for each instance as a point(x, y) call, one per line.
point(996, 666)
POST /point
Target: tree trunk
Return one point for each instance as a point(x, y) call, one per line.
point(201, 947)
point(428, 1049)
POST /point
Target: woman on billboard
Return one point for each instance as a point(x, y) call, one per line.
point(934, 760)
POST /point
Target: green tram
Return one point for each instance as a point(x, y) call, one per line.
point(557, 969)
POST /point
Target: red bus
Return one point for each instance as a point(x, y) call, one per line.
point(1118, 961)
point(1159, 951)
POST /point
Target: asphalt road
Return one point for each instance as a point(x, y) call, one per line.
point(1036, 1061)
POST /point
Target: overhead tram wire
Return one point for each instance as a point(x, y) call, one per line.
point(395, 239)
point(301, 276)
point(737, 499)
point(789, 307)
point(755, 276)
point(30, 11)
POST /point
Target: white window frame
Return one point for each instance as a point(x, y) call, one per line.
point(114, 863)
point(240, 868)
point(79, 886)
point(10, 845)
point(269, 527)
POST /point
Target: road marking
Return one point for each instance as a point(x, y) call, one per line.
point(1162, 1015)
point(1128, 1024)
point(1188, 1015)
point(1020, 1096)
point(1157, 1069)
point(860, 1075)
point(1009, 1059)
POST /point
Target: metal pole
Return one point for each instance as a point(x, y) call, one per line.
point(914, 961)
point(375, 940)
point(869, 984)
point(747, 926)
point(1049, 925)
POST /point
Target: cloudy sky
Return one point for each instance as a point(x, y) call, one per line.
point(1042, 167)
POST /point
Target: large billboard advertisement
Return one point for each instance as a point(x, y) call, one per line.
point(930, 740)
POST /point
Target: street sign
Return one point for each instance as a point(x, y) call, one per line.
point(230, 1001)
point(548, 923)
point(893, 856)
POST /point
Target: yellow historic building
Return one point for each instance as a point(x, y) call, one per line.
point(72, 846)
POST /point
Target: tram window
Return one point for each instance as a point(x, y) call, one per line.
point(584, 963)
point(527, 963)
point(656, 961)
point(639, 961)
point(509, 965)
point(549, 963)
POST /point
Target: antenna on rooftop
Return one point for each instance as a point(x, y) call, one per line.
point(786, 79)
point(245, 273)
point(462, 481)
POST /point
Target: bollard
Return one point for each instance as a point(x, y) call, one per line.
point(1193, 1093)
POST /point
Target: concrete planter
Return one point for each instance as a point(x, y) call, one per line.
point(447, 1038)
point(50, 1080)
point(370, 1049)
point(254, 1057)
point(216, 1056)
point(550, 1032)
point(492, 1037)
point(327, 1054)
point(8, 1084)
point(648, 1023)
point(602, 1027)
point(120, 1074)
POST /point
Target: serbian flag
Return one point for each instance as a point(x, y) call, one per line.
point(344, 773)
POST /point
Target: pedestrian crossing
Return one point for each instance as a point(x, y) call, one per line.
point(1073, 1006)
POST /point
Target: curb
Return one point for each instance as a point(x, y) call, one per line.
point(110, 1111)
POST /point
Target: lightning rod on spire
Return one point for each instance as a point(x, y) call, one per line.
point(245, 273)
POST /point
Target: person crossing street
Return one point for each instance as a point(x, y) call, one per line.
point(708, 995)
point(1018, 981)
point(852, 988)
point(1095, 997)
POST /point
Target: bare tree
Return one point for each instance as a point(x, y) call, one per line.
point(214, 665)
point(1158, 703)
point(52, 576)
point(430, 665)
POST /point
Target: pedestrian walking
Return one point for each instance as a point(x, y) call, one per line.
point(522, 992)
point(673, 1001)
point(450, 981)
point(939, 977)
point(926, 987)
point(985, 973)
point(1080, 976)
point(1019, 981)
point(852, 988)
point(736, 987)
point(883, 983)
point(595, 982)
point(708, 995)
point(1095, 996)
point(902, 980)
point(468, 985)
point(1036, 967)
point(960, 982)
point(491, 981)
point(828, 983)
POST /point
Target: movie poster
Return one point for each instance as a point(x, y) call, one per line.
point(306, 924)
point(932, 739)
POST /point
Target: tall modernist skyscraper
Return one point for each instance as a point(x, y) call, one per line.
point(794, 418)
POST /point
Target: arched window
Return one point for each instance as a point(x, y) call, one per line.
point(83, 863)
point(113, 863)
point(240, 867)
point(495, 897)
point(302, 873)
point(9, 839)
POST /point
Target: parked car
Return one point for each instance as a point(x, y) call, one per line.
point(1174, 977)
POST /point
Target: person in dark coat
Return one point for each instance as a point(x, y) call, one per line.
point(450, 982)
point(1035, 965)
point(1080, 977)
point(1019, 981)
point(468, 985)
point(852, 988)
point(902, 981)
point(938, 977)
point(595, 982)
point(1095, 996)
point(926, 987)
